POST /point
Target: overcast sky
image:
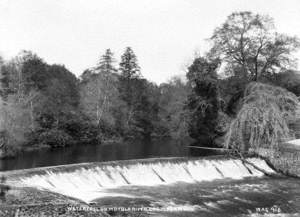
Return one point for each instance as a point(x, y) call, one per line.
point(163, 33)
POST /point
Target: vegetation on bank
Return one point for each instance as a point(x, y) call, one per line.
point(264, 119)
point(242, 92)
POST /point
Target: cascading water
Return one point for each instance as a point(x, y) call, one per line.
point(89, 181)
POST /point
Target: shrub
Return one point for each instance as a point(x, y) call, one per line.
point(55, 138)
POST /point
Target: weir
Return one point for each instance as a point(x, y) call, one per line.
point(88, 181)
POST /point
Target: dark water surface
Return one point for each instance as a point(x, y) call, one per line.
point(89, 153)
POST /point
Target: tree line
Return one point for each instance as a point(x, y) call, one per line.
point(47, 105)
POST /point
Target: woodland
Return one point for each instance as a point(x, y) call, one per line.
point(242, 93)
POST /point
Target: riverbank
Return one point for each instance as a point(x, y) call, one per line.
point(14, 151)
point(286, 159)
point(16, 201)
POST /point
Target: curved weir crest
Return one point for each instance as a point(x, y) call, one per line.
point(89, 181)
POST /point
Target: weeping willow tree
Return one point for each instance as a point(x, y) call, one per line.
point(263, 119)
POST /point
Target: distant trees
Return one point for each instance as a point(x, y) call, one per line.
point(120, 103)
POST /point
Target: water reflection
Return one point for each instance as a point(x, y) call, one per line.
point(88, 153)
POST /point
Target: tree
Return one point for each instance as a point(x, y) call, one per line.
point(17, 107)
point(34, 71)
point(17, 119)
point(250, 42)
point(57, 112)
point(129, 74)
point(290, 80)
point(41, 101)
point(99, 94)
point(232, 91)
point(99, 100)
point(263, 121)
point(172, 113)
point(106, 63)
point(18, 74)
point(134, 92)
point(142, 112)
point(17, 84)
point(207, 122)
point(129, 67)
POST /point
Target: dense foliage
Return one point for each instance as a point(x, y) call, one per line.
point(249, 41)
point(173, 117)
point(204, 103)
point(264, 118)
point(46, 105)
point(240, 94)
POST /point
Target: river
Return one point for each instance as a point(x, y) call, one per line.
point(136, 149)
point(201, 190)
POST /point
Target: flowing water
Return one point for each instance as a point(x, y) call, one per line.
point(167, 186)
point(206, 186)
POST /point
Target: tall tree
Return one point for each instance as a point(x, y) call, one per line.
point(129, 67)
point(106, 63)
point(99, 91)
point(250, 42)
point(129, 73)
point(17, 104)
point(134, 91)
point(204, 103)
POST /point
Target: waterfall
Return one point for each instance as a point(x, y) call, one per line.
point(89, 181)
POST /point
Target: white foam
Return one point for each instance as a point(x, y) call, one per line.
point(294, 142)
point(89, 184)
